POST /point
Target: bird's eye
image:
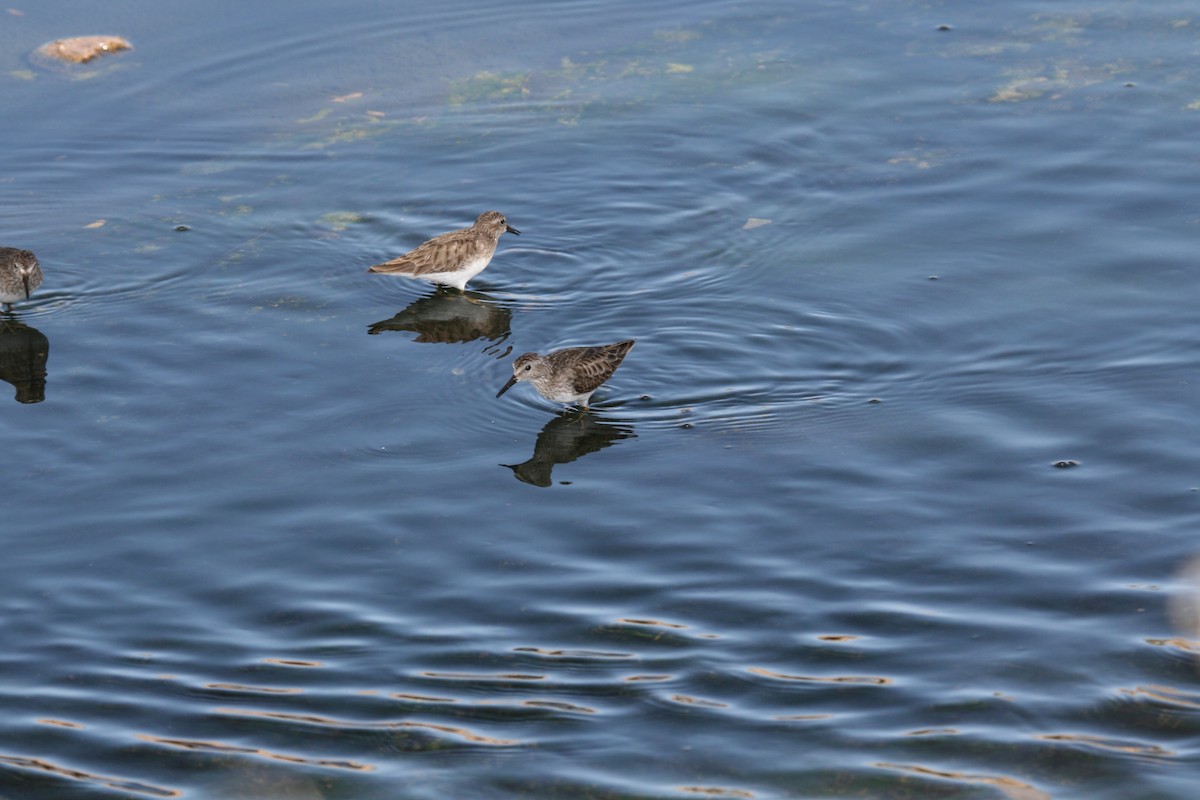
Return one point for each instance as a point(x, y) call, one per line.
point(528, 367)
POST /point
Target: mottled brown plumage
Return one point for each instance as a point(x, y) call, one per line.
point(570, 375)
point(453, 258)
point(20, 274)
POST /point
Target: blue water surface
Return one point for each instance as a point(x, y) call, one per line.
point(895, 497)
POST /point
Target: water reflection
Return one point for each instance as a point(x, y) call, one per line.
point(451, 316)
point(23, 354)
point(566, 437)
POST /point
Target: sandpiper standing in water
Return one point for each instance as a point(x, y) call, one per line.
point(20, 274)
point(453, 258)
point(570, 375)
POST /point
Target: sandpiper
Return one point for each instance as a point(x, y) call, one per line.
point(453, 258)
point(20, 274)
point(570, 375)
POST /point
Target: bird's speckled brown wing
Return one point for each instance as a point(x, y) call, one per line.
point(446, 253)
point(592, 365)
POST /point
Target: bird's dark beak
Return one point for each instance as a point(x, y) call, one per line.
point(511, 229)
point(25, 280)
point(507, 386)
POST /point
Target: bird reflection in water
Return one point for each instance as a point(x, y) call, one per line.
point(451, 316)
point(566, 437)
point(23, 354)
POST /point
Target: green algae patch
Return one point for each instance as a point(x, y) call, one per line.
point(341, 220)
point(488, 86)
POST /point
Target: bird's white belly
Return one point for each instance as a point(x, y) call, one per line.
point(564, 394)
point(458, 278)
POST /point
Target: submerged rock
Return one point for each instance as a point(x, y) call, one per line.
point(58, 54)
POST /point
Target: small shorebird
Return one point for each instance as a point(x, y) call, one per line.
point(453, 258)
point(20, 274)
point(570, 375)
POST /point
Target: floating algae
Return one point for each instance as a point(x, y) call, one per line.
point(60, 54)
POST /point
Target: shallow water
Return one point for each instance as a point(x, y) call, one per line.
point(895, 496)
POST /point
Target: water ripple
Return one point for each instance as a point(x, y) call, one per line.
point(58, 771)
point(1010, 788)
point(256, 752)
point(452, 731)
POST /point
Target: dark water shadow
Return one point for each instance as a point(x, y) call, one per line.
point(23, 354)
point(450, 316)
point(565, 438)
